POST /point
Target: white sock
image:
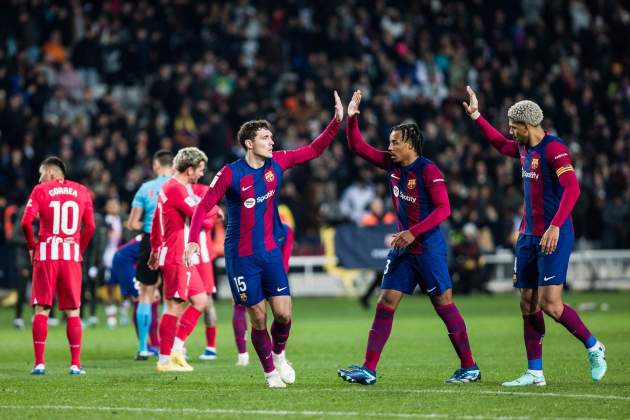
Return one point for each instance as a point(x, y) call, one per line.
point(596, 346)
point(178, 345)
point(214, 349)
point(535, 372)
point(163, 359)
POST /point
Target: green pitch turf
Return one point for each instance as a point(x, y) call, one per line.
point(329, 334)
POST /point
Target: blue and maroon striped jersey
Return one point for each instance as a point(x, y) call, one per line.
point(547, 171)
point(252, 195)
point(418, 190)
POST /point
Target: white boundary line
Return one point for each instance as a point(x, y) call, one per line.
point(486, 392)
point(304, 413)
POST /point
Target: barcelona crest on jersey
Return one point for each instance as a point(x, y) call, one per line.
point(534, 164)
point(269, 177)
point(411, 184)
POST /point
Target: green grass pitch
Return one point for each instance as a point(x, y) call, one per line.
point(329, 334)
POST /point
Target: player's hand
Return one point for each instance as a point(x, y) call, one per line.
point(220, 214)
point(549, 241)
point(154, 261)
point(156, 295)
point(403, 239)
point(472, 107)
point(353, 106)
point(192, 249)
point(338, 107)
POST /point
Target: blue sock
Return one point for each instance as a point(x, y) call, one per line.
point(534, 364)
point(143, 318)
point(590, 342)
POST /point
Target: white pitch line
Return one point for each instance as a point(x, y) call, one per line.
point(483, 392)
point(305, 413)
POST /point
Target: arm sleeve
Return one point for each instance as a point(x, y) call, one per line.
point(505, 146)
point(218, 187)
point(559, 159)
point(156, 230)
point(434, 182)
point(357, 144)
point(138, 199)
point(289, 158)
point(30, 213)
point(88, 223)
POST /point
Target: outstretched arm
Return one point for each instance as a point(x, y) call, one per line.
point(211, 198)
point(504, 145)
point(356, 142)
point(289, 158)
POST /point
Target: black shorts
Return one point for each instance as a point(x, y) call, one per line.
point(143, 273)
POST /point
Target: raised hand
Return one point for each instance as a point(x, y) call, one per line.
point(353, 106)
point(338, 107)
point(472, 107)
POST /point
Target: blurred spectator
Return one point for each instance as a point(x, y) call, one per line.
point(105, 84)
point(470, 273)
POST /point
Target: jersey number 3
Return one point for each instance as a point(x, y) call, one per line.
point(65, 217)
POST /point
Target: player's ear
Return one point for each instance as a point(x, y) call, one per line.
point(249, 144)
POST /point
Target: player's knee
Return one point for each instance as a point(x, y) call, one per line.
point(551, 308)
point(282, 317)
point(387, 300)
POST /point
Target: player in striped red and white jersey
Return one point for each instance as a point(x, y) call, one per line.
point(62, 206)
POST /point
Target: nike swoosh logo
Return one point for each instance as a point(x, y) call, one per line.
point(430, 290)
point(394, 176)
point(246, 188)
point(281, 289)
point(548, 278)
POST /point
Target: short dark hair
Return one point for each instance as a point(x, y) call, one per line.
point(164, 157)
point(411, 134)
point(249, 129)
point(55, 161)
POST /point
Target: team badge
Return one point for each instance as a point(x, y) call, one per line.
point(534, 164)
point(269, 177)
point(411, 184)
point(243, 297)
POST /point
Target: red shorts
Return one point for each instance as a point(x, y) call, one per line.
point(62, 277)
point(181, 282)
point(206, 271)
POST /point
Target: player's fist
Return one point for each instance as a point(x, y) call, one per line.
point(353, 106)
point(338, 107)
point(192, 249)
point(154, 261)
point(403, 239)
point(472, 106)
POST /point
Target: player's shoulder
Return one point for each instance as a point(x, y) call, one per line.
point(555, 147)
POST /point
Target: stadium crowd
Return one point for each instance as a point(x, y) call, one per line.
point(105, 84)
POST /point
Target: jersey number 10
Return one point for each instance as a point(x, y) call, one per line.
point(64, 220)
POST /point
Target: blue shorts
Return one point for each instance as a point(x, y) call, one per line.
point(123, 271)
point(257, 277)
point(533, 268)
point(429, 270)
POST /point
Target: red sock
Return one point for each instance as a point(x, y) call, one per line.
point(239, 324)
point(187, 322)
point(74, 332)
point(379, 333)
point(457, 333)
point(279, 335)
point(211, 337)
point(153, 331)
point(40, 332)
point(262, 344)
point(168, 324)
